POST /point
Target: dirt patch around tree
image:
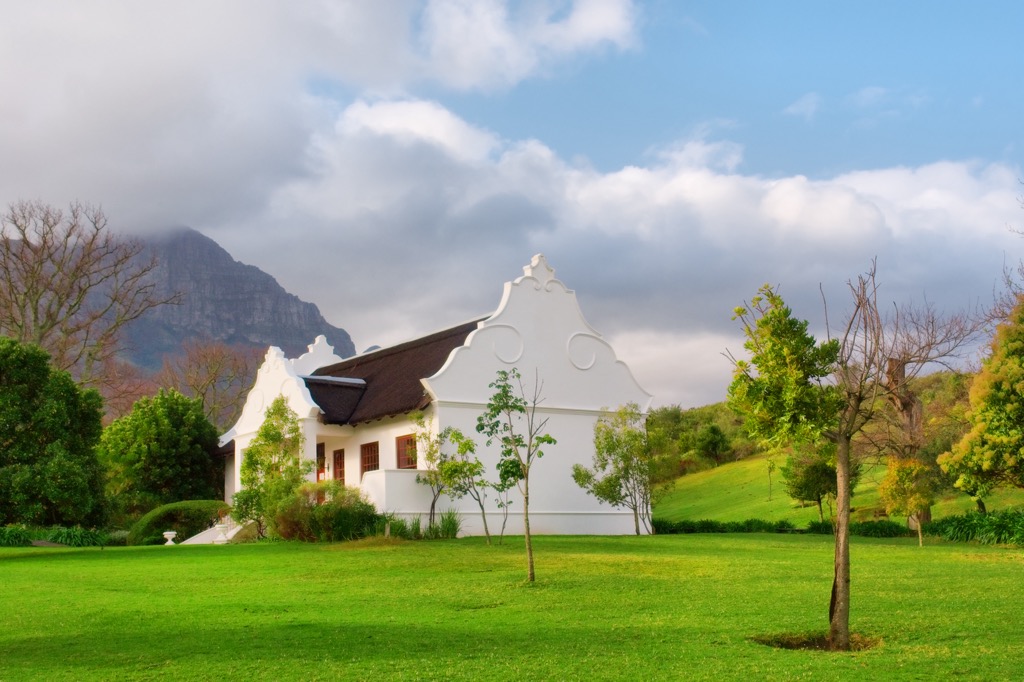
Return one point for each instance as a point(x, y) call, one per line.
point(814, 642)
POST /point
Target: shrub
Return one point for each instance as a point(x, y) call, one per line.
point(117, 538)
point(821, 528)
point(77, 537)
point(185, 518)
point(1002, 527)
point(449, 524)
point(879, 529)
point(784, 526)
point(325, 511)
point(15, 536)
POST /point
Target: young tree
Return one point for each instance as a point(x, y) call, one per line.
point(219, 375)
point(160, 453)
point(71, 285)
point(810, 475)
point(625, 468)
point(794, 390)
point(430, 447)
point(463, 474)
point(990, 454)
point(272, 467)
point(511, 420)
point(909, 488)
point(49, 427)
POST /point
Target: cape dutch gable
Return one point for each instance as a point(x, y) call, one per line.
point(355, 413)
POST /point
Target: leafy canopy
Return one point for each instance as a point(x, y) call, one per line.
point(160, 453)
point(49, 427)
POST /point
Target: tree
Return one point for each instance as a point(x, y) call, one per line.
point(909, 488)
point(990, 454)
point(71, 285)
point(810, 475)
point(463, 474)
point(272, 468)
point(219, 375)
point(431, 448)
point(795, 390)
point(625, 468)
point(511, 419)
point(160, 453)
point(49, 427)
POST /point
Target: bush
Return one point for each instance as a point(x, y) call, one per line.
point(325, 511)
point(15, 536)
point(77, 537)
point(185, 518)
point(994, 528)
point(821, 528)
point(879, 529)
point(117, 538)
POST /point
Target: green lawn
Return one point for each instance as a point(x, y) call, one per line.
point(739, 490)
point(637, 608)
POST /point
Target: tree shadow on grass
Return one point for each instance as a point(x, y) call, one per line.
point(814, 642)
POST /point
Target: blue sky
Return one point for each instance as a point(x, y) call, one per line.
point(395, 162)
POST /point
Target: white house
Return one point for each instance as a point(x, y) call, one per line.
point(356, 413)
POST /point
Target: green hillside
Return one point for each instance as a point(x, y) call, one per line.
point(739, 491)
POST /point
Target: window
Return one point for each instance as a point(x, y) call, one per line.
point(339, 466)
point(405, 446)
point(321, 461)
point(369, 456)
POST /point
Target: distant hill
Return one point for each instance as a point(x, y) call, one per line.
point(223, 300)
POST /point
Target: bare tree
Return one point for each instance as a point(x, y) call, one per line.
point(71, 285)
point(218, 374)
point(803, 391)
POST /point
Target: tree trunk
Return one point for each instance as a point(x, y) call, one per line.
point(530, 577)
point(636, 520)
point(839, 608)
point(821, 513)
point(981, 505)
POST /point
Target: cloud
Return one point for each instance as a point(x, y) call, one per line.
point(806, 107)
point(295, 137)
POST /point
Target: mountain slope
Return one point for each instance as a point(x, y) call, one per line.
point(223, 300)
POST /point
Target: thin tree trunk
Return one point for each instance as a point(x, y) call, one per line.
point(839, 609)
point(636, 520)
point(476, 495)
point(530, 576)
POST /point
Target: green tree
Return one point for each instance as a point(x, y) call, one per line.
point(272, 468)
point(463, 474)
point(810, 475)
point(797, 391)
point(159, 453)
point(511, 419)
point(430, 447)
point(990, 455)
point(49, 427)
point(908, 489)
point(625, 467)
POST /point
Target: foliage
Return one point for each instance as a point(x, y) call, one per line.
point(324, 511)
point(882, 528)
point(49, 427)
point(71, 285)
point(186, 518)
point(696, 439)
point(1004, 527)
point(160, 453)
point(78, 537)
point(625, 467)
point(908, 489)
point(810, 475)
point(15, 535)
point(990, 454)
point(217, 374)
point(272, 468)
point(453, 472)
point(511, 420)
point(448, 527)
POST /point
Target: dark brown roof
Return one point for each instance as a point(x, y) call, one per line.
point(391, 375)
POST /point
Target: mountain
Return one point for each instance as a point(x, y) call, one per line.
point(222, 300)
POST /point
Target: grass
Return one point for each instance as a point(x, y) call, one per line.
point(739, 490)
point(666, 607)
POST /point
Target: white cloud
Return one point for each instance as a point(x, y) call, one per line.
point(806, 107)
